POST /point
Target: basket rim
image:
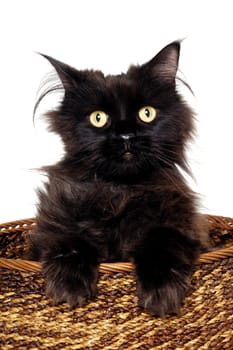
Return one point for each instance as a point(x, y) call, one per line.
point(217, 222)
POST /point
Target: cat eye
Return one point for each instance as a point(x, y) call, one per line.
point(98, 119)
point(147, 114)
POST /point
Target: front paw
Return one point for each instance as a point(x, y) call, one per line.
point(73, 287)
point(162, 300)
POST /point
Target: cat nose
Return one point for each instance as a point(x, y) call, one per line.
point(126, 137)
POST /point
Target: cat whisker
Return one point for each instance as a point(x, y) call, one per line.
point(165, 147)
point(173, 182)
point(165, 161)
point(183, 163)
point(161, 157)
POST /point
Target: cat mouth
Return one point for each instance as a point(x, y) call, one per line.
point(128, 155)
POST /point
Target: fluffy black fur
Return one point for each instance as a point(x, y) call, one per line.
point(117, 194)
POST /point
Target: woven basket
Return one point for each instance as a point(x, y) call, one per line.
point(28, 320)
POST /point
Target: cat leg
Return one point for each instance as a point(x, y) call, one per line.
point(72, 277)
point(164, 262)
point(66, 242)
point(69, 266)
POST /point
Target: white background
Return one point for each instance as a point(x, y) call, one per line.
point(110, 35)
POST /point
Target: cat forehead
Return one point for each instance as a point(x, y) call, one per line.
point(117, 93)
point(121, 85)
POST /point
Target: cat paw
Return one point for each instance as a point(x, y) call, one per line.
point(163, 300)
point(70, 286)
point(75, 294)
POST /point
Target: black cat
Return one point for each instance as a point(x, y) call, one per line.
point(118, 194)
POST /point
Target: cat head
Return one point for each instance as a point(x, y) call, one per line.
point(123, 127)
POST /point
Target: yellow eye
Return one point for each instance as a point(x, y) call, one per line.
point(147, 114)
point(98, 119)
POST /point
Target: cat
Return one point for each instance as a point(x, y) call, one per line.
point(118, 193)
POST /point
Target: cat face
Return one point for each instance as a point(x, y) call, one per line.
point(123, 127)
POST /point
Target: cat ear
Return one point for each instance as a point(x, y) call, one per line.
point(68, 75)
point(165, 64)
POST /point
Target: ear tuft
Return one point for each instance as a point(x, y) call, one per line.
point(165, 64)
point(67, 74)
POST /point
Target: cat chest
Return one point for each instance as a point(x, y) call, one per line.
point(120, 215)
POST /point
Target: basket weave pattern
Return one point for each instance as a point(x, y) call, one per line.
point(28, 319)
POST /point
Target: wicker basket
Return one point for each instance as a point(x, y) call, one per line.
point(28, 320)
